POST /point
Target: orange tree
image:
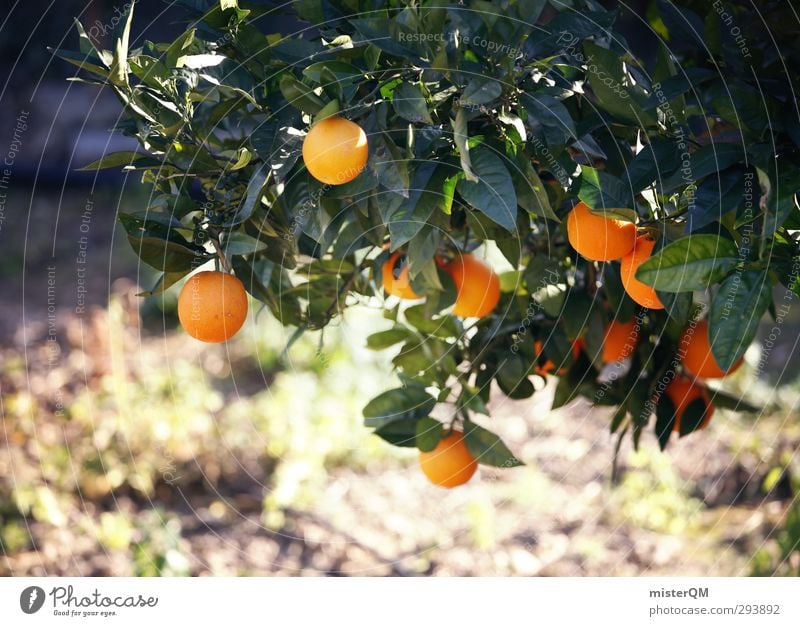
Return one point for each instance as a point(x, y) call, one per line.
point(648, 200)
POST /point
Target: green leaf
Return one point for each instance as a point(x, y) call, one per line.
point(165, 281)
point(655, 161)
point(242, 243)
point(160, 245)
point(387, 338)
point(707, 160)
point(443, 327)
point(606, 195)
point(481, 90)
point(175, 55)
point(412, 214)
point(409, 103)
point(512, 378)
point(724, 400)
point(401, 432)
point(255, 277)
point(388, 165)
point(531, 193)
point(428, 434)
point(493, 194)
point(125, 159)
point(781, 197)
point(677, 305)
point(551, 113)
point(488, 448)
point(300, 96)
point(85, 61)
point(337, 69)
point(252, 195)
point(607, 78)
point(332, 108)
point(689, 264)
point(410, 402)
point(119, 64)
point(736, 310)
point(693, 416)
point(665, 420)
point(243, 157)
point(461, 138)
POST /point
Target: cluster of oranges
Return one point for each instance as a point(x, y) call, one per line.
point(477, 285)
point(212, 305)
point(600, 238)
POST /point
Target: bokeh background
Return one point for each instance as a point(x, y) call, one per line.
point(126, 448)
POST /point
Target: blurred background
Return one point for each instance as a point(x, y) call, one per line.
point(127, 448)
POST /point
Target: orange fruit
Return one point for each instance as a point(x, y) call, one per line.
point(477, 284)
point(682, 391)
point(395, 278)
point(599, 238)
point(548, 366)
point(450, 463)
point(212, 306)
point(694, 350)
point(620, 340)
point(335, 150)
point(637, 290)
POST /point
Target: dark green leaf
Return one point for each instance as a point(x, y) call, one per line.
point(736, 310)
point(401, 432)
point(481, 90)
point(461, 139)
point(693, 416)
point(726, 401)
point(400, 403)
point(488, 448)
point(387, 338)
point(606, 194)
point(551, 113)
point(428, 433)
point(494, 194)
point(409, 103)
point(608, 81)
point(665, 420)
point(125, 159)
point(689, 264)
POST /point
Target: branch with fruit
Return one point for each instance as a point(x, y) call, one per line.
point(552, 207)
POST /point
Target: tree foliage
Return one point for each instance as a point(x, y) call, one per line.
point(486, 122)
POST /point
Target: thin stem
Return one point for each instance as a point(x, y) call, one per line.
point(220, 254)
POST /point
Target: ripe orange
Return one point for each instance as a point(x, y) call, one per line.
point(450, 463)
point(548, 366)
point(599, 238)
point(694, 349)
point(212, 306)
point(637, 290)
point(620, 340)
point(335, 150)
point(395, 278)
point(477, 284)
point(682, 391)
